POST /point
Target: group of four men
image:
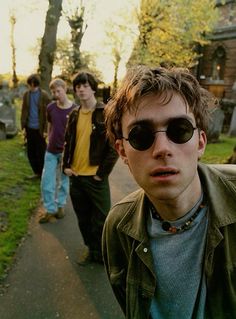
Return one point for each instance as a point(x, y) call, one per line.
point(168, 248)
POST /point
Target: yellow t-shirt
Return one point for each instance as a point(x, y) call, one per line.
point(80, 164)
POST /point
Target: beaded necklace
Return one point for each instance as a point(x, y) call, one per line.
point(166, 226)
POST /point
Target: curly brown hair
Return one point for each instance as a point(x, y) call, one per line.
point(141, 81)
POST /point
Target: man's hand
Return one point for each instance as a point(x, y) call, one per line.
point(97, 178)
point(69, 172)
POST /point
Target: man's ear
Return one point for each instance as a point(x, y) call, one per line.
point(202, 143)
point(120, 150)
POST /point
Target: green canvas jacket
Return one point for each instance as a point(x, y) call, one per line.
point(101, 152)
point(44, 100)
point(128, 259)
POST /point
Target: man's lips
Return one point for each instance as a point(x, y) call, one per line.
point(164, 171)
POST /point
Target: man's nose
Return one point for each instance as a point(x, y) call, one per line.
point(161, 145)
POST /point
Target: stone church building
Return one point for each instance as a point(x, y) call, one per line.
point(217, 68)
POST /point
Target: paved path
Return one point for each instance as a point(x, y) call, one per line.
point(47, 283)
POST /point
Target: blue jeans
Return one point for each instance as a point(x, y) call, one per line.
point(54, 183)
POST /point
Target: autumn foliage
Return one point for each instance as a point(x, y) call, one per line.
point(171, 31)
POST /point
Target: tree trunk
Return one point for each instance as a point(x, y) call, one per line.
point(116, 62)
point(48, 46)
point(78, 28)
point(14, 76)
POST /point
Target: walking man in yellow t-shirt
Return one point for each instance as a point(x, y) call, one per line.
point(88, 160)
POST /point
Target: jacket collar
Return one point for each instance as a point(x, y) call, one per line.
point(99, 105)
point(219, 185)
point(134, 221)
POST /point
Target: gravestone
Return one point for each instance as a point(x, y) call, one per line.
point(7, 111)
point(232, 128)
point(233, 96)
point(2, 131)
point(215, 125)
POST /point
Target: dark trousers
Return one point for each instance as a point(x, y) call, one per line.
point(91, 202)
point(36, 147)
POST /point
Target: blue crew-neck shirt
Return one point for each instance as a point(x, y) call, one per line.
point(178, 262)
point(33, 121)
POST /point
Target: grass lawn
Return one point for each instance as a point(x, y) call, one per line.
point(219, 152)
point(19, 197)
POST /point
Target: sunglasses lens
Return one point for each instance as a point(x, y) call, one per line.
point(141, 138)
point(180, 130)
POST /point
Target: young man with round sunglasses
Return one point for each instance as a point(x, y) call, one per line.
point(170, 247)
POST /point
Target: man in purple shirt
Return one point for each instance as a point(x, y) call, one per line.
point(55, 191)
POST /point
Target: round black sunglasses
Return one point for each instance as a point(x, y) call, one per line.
point(179, 131)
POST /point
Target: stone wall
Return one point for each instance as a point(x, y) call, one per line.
point(224, 36)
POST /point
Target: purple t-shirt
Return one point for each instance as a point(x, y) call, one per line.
point(57, 117)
